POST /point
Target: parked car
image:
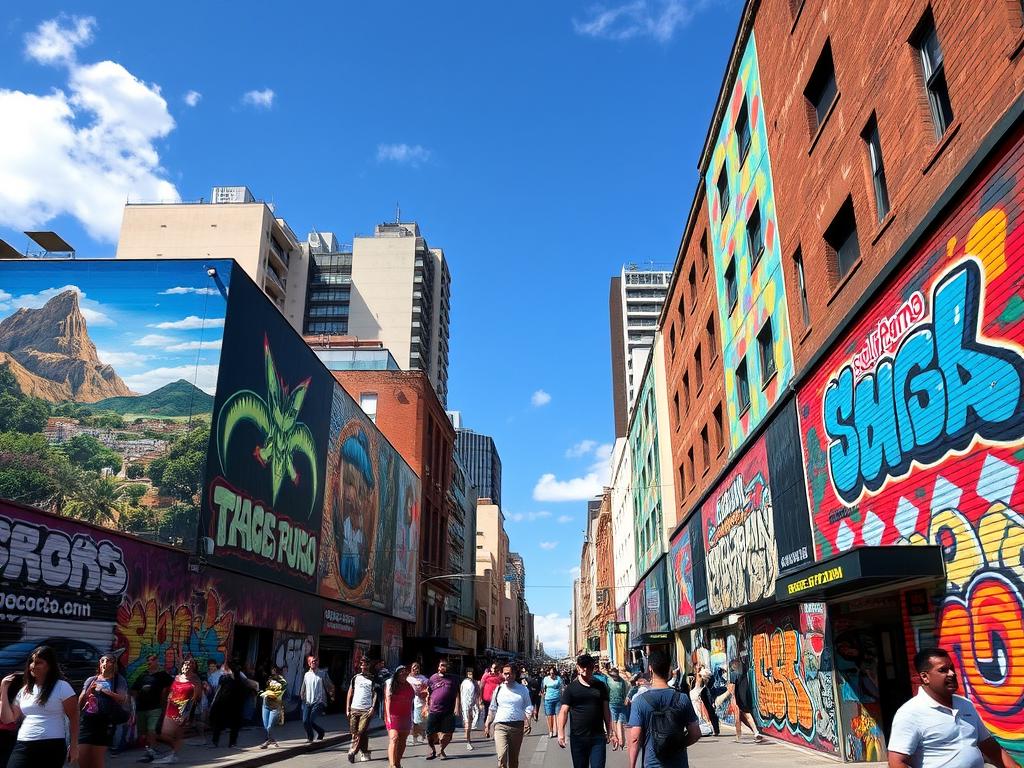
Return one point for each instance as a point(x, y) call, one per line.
point(78, 659)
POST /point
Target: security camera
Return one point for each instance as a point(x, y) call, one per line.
point(212, 271)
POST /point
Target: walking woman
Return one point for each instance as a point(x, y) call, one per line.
point(228, 701)
point(552, 687)
point(103, 695)
point(399, 699)
point(418, 681)
point(44, 701)
point(186, 688)
point(273, 703)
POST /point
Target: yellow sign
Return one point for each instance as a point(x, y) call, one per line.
point(816, 580)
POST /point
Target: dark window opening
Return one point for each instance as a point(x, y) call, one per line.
point(821, 89)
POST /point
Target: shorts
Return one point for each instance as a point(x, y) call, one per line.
point(440, 722)
point(417, 712)
point(618, 713)
point(146, 721)
point(551, 707)
point(468, 717)
point(95, 730)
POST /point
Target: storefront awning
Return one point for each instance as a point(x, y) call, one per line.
point(860, 570)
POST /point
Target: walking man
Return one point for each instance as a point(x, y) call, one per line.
point(360, 706)
point(509, 713)
point(617, 688)
point(150, 692)
point(469, 695)
point(315, 691)
point(939, 728)
point(739, 686)
point(586, 698)
point(442, 707)
point(662, 722)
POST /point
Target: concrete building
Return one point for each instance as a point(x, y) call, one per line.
point(623, 539)
point(231, 225)
point(483, 464)
point(491, 565)
point(634, 303)
point(461, 612)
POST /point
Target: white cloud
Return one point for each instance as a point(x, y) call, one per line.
point(518, 517)
point(55, 41)
point(540, 398)
point(582, 448)
point(602, 455)
point(181, 290)
point(187, 345)
point(82, 151)
point(403, 154)
point(153, 340)
point(203, 376)
point(260, 99)
point(189, 323)
point(575, 571)
point(655, 19)
point(548, 545)
point(119, 359)
point(552, 629)
point(91, 310)
point(563, 519)
point(192, 98)
point(549, 488)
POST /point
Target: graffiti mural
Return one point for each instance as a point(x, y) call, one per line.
point(739, 536)
point(680, 581)
point(913, 433)
point(759, 293)
point(290, 652)
point(371, 517)
point(724, 650)
point(793, 689)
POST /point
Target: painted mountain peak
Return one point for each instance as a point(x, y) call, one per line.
point(52, 357)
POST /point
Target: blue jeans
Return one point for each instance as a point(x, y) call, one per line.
point(310, 712)
point(587, 751)
point(269, 720)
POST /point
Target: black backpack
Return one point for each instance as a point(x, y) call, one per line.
point(668, 728)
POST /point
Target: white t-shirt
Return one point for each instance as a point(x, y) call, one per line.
point(419, 687)
point(936, 736)
point(47, 721)
point(362, 692)
point(313, 682)
point(467, 693)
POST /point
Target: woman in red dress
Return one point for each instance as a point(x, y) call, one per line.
point(398, 703)
point(185, 692)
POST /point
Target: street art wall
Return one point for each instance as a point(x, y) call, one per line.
point(793, 677)
point(648, 611)
point(913, 433)
point(739, 536)
point(107, 376)
point(759, 295)
point(680, 581)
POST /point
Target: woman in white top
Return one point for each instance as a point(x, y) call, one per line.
point(469, 696)
point(44, 701)
point(419, 707)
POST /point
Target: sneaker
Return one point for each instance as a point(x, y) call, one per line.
point(469, 747)
point(320, 736)
point(431, 756)
point(146, 758)
point(363, 757)
point(168, 759)
point(443, 755)
point(351, 757)
point(264, 745)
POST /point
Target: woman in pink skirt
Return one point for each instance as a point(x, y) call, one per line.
point(398, 702)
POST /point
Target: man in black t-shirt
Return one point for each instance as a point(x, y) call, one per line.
point(150, 692)
point(586, 698)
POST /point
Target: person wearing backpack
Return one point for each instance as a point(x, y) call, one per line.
point(662, 722)
point(101, 702)
point(586, 698)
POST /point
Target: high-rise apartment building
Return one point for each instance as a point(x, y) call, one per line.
point(233, 224)
point(480, 455)
point(329, 285)
point(634, 304)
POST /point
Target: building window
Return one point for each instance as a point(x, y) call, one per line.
point(719, 436)
point(672, 339)
point(841, 238)
point(705, 448)
point(926, 40)
point(723, 191)
point(698, 363)
point(743, 132)
point(686, 391)
point(766, 352)
point(874, 147)
point(704, 252)
point(742, 387)
point(675, 407)
point(755, 237)
point(821, 89)
point(682, 478)
point(731, 290)
point(368, 402)
point(692, 280)
point(801, 282)
point(712, 342)
point(689, 464)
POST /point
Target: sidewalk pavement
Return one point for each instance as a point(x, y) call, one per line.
point(291, 739)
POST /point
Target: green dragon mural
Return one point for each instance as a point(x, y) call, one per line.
point(277, 418)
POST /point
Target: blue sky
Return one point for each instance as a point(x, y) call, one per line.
point(541, 144)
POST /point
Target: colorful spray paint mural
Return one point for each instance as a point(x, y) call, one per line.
point(648, 612)
point(793, 680)
point(682, 612)
point(371, 517)
point(107, 375)
point(913, 433)
point(749, 281)
point(646, 473)
point(739, 536)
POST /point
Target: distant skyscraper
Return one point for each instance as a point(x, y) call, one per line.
point(634, 304)
point(480, 456)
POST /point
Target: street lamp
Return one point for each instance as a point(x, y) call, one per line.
point(451, 576)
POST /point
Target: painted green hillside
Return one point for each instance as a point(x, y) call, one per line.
point(178, 398)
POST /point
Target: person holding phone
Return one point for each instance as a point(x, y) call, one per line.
point(100, 695)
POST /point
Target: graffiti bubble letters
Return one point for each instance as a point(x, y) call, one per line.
point(941, 389)
point(782, 698)
point(246, 525)
point(35, 554)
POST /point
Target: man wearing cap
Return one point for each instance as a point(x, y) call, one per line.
point(586, 698)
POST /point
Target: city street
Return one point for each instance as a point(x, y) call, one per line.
point(542, 752)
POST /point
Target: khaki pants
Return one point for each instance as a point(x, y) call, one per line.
point(508, 740)
point(359, 726)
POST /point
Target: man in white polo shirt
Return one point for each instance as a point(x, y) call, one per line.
point(937, 728)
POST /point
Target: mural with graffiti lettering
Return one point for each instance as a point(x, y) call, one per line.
point(913, 433)
point(739, 535)
point(793, 681)
point(680, 581)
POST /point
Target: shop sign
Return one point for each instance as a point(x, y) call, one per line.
point(338, 622)
point(818, 579)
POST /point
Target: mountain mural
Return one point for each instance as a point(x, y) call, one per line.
point(52, 357)
point(179, 398)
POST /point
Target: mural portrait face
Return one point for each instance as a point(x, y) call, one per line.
point(354, 508)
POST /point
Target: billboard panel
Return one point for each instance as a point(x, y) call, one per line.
point(680, 581)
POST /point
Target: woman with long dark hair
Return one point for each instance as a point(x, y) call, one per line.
point(44, 701)
point(100, 695)
point(186, 688)
point(399, 699)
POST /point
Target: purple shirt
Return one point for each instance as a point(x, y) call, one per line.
point(443, 691)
